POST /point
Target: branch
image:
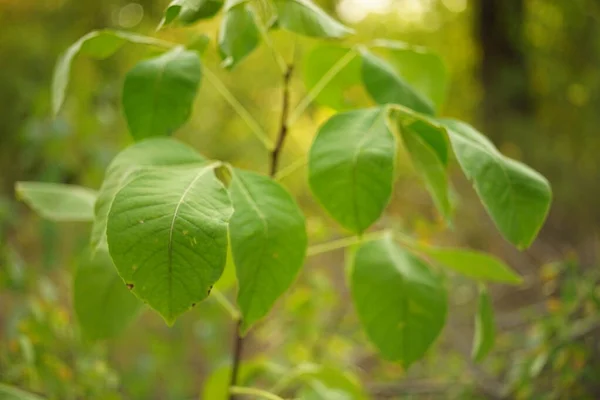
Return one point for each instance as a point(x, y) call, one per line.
point(283, 127)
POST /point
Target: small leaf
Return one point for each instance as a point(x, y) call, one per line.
point(167, 235)
point(516, 197)
point(428, 150)
point(12, 393)
point(155, 152)
point(58, 202)
point(305, 18)
point(473, 264)
point(422, 68)
point(400, 302)
point(351, 167)
point(238, 34)
point(103, 304)
point(344, 89)
point(268, 242)
point(158, 93)
point(485, 331)
point(97, 44)
point(189, 11)
point(387, 87)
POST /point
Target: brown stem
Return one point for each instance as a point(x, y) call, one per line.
point(238, 346)
point(238, 340)
point(283, 127)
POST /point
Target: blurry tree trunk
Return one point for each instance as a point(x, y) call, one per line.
point(504, 72)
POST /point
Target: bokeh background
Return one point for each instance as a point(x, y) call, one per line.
point(525, 72)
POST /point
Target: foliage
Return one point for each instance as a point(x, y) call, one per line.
point(168, 216)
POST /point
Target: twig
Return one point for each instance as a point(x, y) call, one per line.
point(283, 127)
point(238, 349)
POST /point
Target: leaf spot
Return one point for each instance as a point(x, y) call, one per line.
point(129, 286)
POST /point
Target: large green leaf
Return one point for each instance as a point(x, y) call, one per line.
point(58, 202)
point(155, 152)
point(268, 242)
point(97, 44)
point(386, 86)
point(474, 264)
point(158, 93)
point(239, 34)
point(103, 304)
point(428, 150)
point(167, 234)
point(351, 167)
point(189, 11)
point(343, 88)
point(12, 393)
point(400, 302)
point(419, 66)
point(485, 331)
point(305, 18)
point(516, 197)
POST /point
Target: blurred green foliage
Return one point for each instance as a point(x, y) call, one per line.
point(546, 344)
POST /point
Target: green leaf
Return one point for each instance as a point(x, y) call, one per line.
point(155, 152)
point(422, 68)
point(167, 235)
point(12, 393)
point(189, 11)
point(516, 197)
point(387, 87)
point(485, 331)
point(473, 264)
point(344, 89)
point(268, 242)
point(305, 18)
point(158, 93)
point(400, 302)
point(103, 304)
point(351, 167)
point(58, 202)
point(428, 150)
point(97, 44)
point(239, 34)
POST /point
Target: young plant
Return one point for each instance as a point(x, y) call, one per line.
point(166, 216)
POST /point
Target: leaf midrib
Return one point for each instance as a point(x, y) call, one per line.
point(497, 159)
point(355, 158)
point(203, 171)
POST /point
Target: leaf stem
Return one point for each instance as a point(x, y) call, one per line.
point(239, 108)
point(276, 55)
point(226, 304)
point(345, 242)
point(254, 392)
point(290, 169)
point(321, 84)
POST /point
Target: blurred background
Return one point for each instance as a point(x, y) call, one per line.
point(526, 73)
